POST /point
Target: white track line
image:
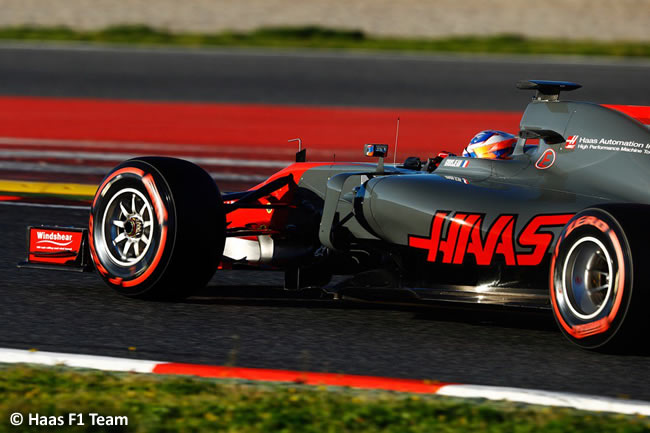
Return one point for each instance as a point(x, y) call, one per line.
point(43, 205)
point(119, 157)
point(548, 398)
point(521, 395)
point(14, 356)
point(53, 168)
point(209, 149)
point(97, 170)
point(134, 145)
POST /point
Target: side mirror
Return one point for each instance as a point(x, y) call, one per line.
point(379, 151)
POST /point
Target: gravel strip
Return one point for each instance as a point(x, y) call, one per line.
point(574, 19)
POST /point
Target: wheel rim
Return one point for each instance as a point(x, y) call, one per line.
point(128, 227)
point(587, 278)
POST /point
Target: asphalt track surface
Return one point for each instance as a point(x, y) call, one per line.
point(242, 318)
point(382, 80)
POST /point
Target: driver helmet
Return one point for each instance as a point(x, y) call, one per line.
point(491, 144)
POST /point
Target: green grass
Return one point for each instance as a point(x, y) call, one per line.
point(173, 404)
point(323, 38)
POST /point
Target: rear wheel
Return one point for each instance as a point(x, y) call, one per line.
point(598, 281)
point(157, 228)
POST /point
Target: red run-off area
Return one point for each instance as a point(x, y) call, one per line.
point(251, 130)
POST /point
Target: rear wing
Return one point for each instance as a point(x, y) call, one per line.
point(547, 90)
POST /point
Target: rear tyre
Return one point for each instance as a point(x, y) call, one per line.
point(157, 228)
point(597, 277)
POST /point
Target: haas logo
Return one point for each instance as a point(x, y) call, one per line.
point(454, 238)
point(571, 142)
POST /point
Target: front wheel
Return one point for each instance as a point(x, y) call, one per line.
point(157, 228)
point(598, 277)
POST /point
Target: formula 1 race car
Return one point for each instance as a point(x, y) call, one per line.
point(560, 224)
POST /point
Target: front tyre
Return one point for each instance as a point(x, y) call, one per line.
point(597, 277)
point(157, 228)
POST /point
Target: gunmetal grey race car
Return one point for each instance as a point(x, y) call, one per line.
point(561, 224)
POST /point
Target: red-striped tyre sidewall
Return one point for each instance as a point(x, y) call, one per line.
point(603, 329)
point(134, 280)
point(188, 234)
